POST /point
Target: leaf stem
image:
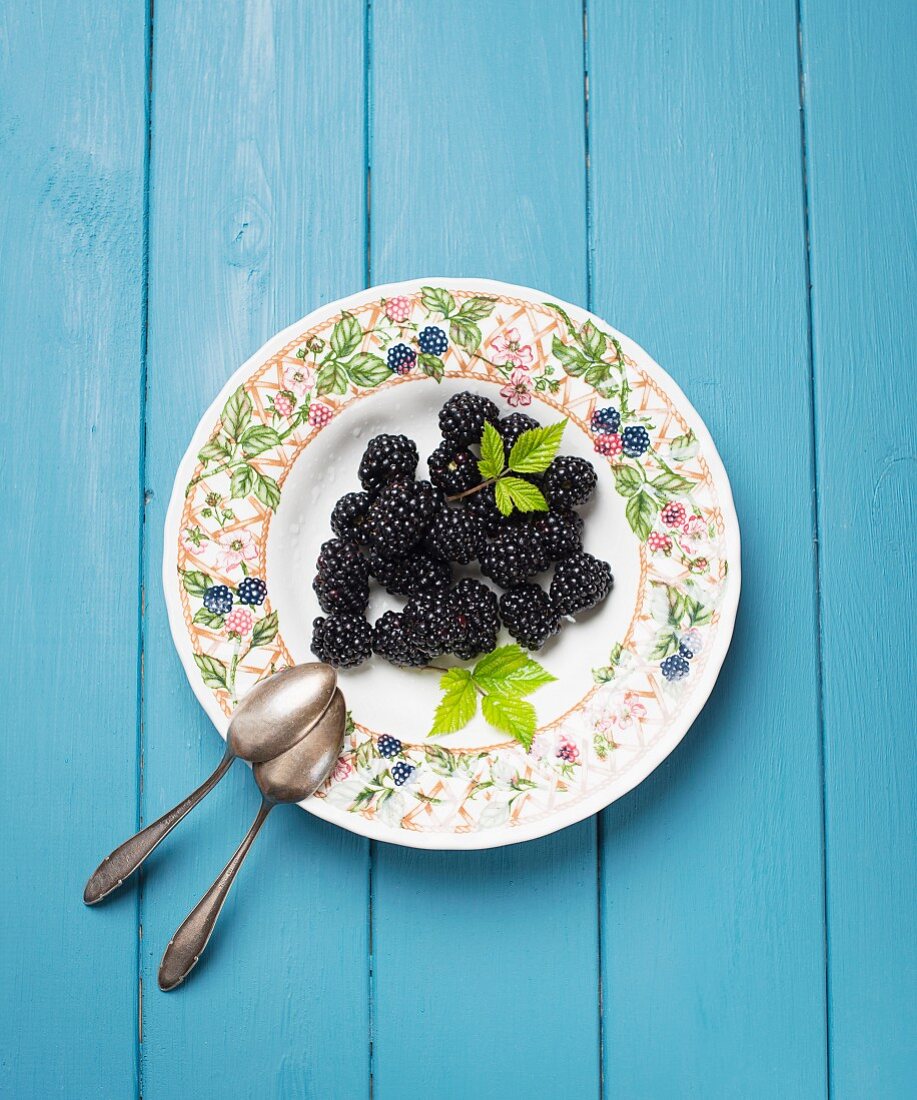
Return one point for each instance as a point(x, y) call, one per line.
point(477, 488)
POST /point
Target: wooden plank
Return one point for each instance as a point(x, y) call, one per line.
point(256, 217)
point(862, 161)
point(484, 964)
point(712, 906)
point(72, 138)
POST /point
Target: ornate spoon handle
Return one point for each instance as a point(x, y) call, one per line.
point(125, 859)
point(188, 943)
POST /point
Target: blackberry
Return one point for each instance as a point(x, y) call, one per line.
point(580, 582)
point(453, 469)
point(675, 668)
point(561, 532)
point(483, 506)
point(529, 615)
point(400, 515)
point(342, 578)
point(342, 640)
point(456, 535)
point(512, 426)
point(252, 590)
point(605, 421)
point(635, 440)
point(690, 644)
point(514, 555)
point(391, 642)
point(429, 624)
point(569, 480)
point(349, 515)
point(432, 340)
point(462, 418)
point(388, 746)
point(401, 359)
point(475, 608)
point(387, 457)
point(401, 773)
point(218, 599)
point(411, 575)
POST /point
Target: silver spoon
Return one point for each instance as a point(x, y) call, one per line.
point(290, 777)
point(274, 715)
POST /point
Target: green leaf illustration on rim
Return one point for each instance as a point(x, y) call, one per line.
point(641, 511)
point(437, 300)
point(237, 412)
point(212, 670)
point(346, 336)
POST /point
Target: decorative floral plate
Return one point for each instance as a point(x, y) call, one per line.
point(282, 441)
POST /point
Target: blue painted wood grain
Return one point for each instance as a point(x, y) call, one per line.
point(484, 963)
point(256, 217)
point(344, 969)
point(860, 71)
point(712, 909)
point(72, 137)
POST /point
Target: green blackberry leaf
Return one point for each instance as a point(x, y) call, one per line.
point(493, 453)
point(512, 715)
point(530, 677)
point(523, 495)
point(459, 703)
point(534, 450)
point(496, 666)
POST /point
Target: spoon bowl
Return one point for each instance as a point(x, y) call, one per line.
point(275, 715)
point(290, 777)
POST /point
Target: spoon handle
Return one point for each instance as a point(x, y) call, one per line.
point(125, 859)
point(188, 943)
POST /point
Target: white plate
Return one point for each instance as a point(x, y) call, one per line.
point(282, 441)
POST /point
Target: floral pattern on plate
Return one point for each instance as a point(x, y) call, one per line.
point(650, 452)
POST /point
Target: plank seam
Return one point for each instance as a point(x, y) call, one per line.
point(142, 503)
point(816, 557)
point(590, 251)
point(367, 278)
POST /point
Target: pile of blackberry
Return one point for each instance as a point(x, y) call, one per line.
point(415, 538)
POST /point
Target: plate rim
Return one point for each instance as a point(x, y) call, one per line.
point(505, 834)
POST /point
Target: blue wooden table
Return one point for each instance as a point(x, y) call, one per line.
point(731, 184)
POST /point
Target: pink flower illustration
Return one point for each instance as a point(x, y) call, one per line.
point(631, 710)
point(239, 621)
point(518, 390)
point(298, 378)
point(342, 768)
point(694, 534)
point(508, 348)
point(235, 548)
